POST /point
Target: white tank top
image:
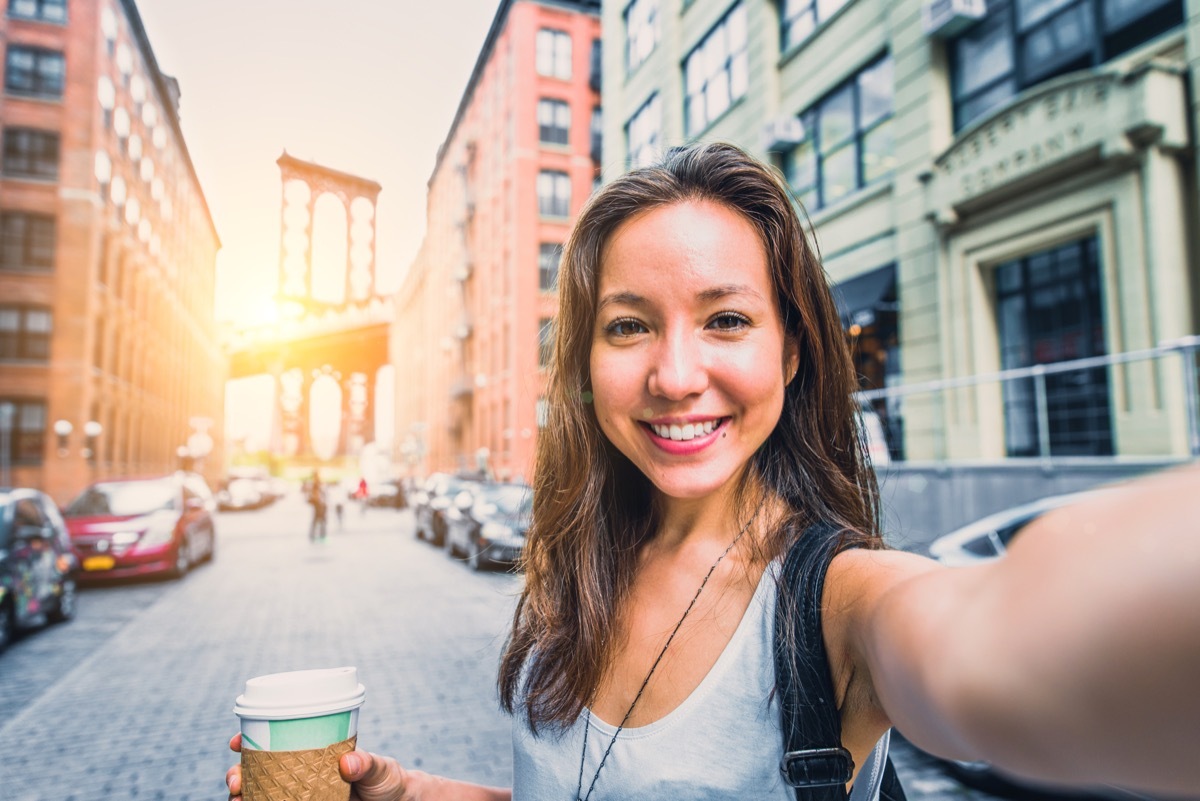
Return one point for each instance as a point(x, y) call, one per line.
point(722, 743)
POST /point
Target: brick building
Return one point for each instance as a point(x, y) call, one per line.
point(109, 362)
point(475, 314)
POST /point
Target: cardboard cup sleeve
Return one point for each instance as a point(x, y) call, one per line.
point(310, 775)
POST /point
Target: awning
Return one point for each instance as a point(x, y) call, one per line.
point(858, 298)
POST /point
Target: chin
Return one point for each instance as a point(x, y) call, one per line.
point(689, 485)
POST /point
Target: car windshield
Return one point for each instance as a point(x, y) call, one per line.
point(511, 501)
point(125, 499)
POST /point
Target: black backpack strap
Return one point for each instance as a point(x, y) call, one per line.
point(814, 761)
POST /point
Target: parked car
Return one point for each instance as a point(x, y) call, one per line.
point(37, 566)
point(386, 494)
point(489, 526)
point(125, 528)
point(241, 494)
point(431, 502)
point(976, 543)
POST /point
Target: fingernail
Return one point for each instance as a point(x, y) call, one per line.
point(352, 764)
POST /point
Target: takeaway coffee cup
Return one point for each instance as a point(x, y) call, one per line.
point(295, 727)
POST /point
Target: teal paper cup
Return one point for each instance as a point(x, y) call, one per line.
point(294, 727)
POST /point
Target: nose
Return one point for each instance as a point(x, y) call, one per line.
point(679, 369)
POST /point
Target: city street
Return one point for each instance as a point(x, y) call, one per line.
point(133, 699)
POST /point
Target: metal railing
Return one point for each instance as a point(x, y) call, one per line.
point(1185, 350)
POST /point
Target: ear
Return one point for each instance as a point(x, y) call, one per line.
point(791, 357)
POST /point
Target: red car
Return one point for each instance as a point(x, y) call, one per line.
point(128, 528)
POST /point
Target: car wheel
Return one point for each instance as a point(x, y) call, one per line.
point(64, 610)
point(182, 561)
point(8, 626)
point(212, 546)
point(439, 533)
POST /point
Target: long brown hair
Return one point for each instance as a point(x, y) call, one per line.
point(593, 509)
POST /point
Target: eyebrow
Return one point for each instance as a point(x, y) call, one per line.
point(705, 296)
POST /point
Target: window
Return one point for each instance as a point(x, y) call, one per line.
point(554, 122)
point(34, 72)
point(23, 424)
point(596, 76)
point(849, 142)
point(25, 333)
point(643, 133)
point(42, 10)
point(549, 254)
point(554, 193)
point(30, 153)
point(1048, 309)
point(1023, 42)
point(554, 54)
point(597, 146)
point(26, 241)
point(545, 341)
point(799, 18)
point(716, 72)
point(641, 32)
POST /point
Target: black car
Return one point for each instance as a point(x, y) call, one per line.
point(489, 526)
point(37, 565)
point(432, 501)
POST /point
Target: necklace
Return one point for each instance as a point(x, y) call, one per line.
point(587, 723)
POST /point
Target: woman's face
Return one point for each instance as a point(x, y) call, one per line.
point(689, 358)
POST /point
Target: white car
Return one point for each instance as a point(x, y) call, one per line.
point(988, 538)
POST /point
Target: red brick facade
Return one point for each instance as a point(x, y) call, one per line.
point(130, 286)
point(465, 342)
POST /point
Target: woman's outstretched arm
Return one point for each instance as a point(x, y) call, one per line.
point(1074, 659)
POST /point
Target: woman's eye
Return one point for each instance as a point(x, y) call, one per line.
point(624, 327)
point(729, 321)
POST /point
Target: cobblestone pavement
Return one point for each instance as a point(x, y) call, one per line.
point(133, 699)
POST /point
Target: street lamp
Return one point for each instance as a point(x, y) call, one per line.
point(91, 431)
point(62, 430)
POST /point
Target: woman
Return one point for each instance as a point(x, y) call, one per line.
point(701, 420)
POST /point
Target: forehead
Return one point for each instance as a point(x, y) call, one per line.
point(688, 243)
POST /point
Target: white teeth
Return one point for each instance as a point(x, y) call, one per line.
point(688, 431)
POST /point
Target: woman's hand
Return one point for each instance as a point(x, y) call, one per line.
point(374, 778)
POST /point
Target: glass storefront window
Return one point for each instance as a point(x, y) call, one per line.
point(1048, 309)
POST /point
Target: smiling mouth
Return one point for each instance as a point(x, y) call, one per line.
point(688, 431)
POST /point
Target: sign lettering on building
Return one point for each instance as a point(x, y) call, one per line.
point(1052, 126)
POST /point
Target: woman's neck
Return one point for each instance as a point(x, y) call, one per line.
point(713, 520)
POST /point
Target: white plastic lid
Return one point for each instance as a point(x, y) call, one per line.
point(301, 694)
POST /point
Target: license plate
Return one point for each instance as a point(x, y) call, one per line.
point(99, 563)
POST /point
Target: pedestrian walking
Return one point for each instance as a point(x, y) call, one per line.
point(317, 498)
point(701, 476)
point(362, 494)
